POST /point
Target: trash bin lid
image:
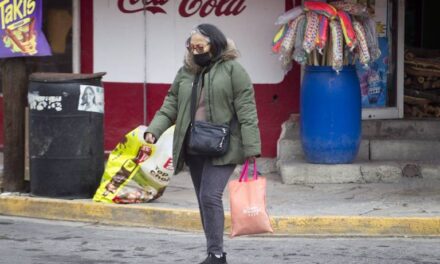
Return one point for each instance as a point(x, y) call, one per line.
point(63, 77)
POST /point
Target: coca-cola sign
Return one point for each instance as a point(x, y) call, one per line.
point(187, 8)
point(133, 6)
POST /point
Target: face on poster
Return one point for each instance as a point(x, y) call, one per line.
point(20, 30)
point(91, 99)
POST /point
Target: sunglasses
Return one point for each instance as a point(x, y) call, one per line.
point(200, 48)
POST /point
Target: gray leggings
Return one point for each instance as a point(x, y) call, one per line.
point(209, 183)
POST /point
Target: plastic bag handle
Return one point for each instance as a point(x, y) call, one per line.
point(255, 176)
point(245, 170)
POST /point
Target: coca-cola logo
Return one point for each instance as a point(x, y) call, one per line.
point(133, 6)
point(187, 8)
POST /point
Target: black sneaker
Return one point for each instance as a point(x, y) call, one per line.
point(212, 259)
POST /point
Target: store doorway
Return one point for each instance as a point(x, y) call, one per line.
point(422, 59)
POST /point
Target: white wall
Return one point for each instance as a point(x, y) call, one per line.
point(125, 44)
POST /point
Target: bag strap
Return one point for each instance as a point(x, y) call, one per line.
point(244, 172)
point(194, 95)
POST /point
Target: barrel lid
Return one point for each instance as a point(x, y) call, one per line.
point(63, 77)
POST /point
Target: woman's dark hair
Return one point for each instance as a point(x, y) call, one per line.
point(217, 39)
point(84, 96)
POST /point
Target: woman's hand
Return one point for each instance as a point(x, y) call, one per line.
point(149, 138)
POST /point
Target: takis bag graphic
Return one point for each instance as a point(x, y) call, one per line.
point(20, 30)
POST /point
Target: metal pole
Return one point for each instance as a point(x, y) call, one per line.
point(76, 40)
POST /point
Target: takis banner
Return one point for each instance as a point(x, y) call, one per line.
point(20, 32)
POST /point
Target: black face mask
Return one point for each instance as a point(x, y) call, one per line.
point(203, 59)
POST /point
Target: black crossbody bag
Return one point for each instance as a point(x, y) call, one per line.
point(206, 138)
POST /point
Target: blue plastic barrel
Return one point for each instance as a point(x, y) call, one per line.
point(330, 115)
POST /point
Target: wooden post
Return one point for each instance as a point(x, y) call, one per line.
point(14, 84)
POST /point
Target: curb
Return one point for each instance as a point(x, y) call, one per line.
point(189, 220)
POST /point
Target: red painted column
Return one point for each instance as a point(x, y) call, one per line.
point(86, 11)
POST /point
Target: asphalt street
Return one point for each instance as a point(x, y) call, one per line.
point(31, 241)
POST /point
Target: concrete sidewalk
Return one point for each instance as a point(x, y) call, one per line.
point(410, 207)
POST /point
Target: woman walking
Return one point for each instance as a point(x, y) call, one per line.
point(224, 96)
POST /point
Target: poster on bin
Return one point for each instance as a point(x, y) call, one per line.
point(20, 31)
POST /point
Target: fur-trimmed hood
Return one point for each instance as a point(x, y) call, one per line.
point(230, 53)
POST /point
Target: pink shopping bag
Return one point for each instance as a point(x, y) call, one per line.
point(248, 204)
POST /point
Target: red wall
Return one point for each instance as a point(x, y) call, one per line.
point(123, 111)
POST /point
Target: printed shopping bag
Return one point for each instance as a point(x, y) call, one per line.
point(137, 171)
point(248, 204)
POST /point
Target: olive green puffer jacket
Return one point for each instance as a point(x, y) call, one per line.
point(229, 91)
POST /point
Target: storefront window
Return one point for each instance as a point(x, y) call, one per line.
point(378, 82)
point(422, 59)
point(57, 26)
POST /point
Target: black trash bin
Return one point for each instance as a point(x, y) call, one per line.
point(66, 137)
